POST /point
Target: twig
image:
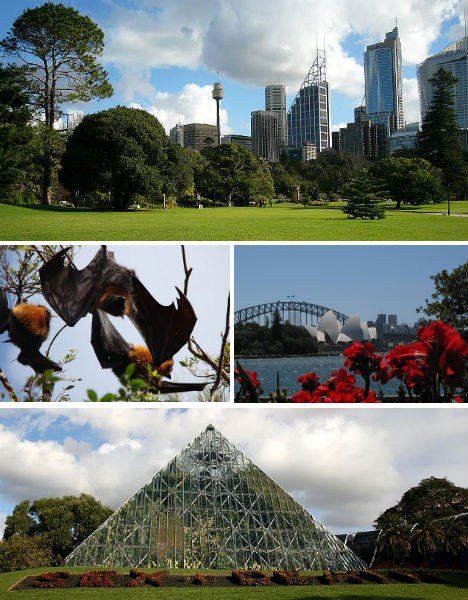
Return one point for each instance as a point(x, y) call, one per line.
point(187, 271)
point(223, 348)
point(7, 385)
point(198, 352)
point(54, 338)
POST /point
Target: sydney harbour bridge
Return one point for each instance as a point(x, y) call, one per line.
point(296, 312)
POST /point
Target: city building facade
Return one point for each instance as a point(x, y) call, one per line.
point(177, 134)
point(384, 82)
point(242, 140)
point(264, 129)
point(453, 59)
point(275, 101)
point(309, 115)
point(198, 135)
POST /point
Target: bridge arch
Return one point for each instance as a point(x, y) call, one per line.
point(303, 313)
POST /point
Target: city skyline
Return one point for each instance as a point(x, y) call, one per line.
point(164, 56)
point(369, 280)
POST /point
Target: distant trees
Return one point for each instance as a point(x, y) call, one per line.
point(439, 138)
point(57, 48)
point(409, 180)
point(281, 338)
point(122, 153)
point(232, 173)
point(51, 526)
point(423, 524)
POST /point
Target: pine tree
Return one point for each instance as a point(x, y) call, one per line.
point(439, 139)
point(366, 197)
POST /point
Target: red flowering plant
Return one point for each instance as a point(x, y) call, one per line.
point(432, 367)
point(250, 387)
point(362, 359)
point(340, 387)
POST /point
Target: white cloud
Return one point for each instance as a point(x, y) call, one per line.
point(193, 104)
point(344, 465)
point(243, 40)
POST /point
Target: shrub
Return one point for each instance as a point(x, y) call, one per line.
point(97, 579)
point(404, 577)
point(253, 578)
point(373, 576)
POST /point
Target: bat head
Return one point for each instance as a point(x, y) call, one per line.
point(165, 368)
point(141, 356)
point(115, 300)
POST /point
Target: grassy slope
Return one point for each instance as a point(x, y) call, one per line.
point(456, 590)
point(283, 222)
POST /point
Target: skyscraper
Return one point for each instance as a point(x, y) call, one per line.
point(309, 115)
point(264, 131)
point(384, 82)
point(275, 100)
point(453, 59)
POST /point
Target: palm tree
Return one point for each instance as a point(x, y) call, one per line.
point(426, 536)
point(454, 537)
point(393, 537)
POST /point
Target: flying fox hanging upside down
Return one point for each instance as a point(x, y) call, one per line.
point(28, 327)
point(104, 285)
point(113, 352)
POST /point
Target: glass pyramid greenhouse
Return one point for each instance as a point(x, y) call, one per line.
point(211, 507)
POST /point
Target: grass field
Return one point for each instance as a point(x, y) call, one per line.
point(283, 222)
point(455, 589)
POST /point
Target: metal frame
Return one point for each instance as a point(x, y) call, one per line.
point(211, 507)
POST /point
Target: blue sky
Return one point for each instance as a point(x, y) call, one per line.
point(364, 279)
point(160, 268)
point(164, 55)
point(317, 454)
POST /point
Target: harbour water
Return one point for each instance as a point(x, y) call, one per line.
point(291, 367)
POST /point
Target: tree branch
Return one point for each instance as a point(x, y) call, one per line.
point(223, 348)
point(7, 385)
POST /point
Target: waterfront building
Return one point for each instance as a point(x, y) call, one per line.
point(453, 59)
point(198, 135)
point(264, 128)
point(275, 101)
point(309, 115)
point(384, 82)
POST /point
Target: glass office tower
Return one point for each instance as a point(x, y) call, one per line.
point(384, 82)
point(309, 115)
point(453, 59)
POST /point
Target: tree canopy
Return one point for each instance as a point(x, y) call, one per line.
point(60, 523)
point(450, 299)
point(409, 180)
point(122, 153)
point(366, 197)
point(57, 48)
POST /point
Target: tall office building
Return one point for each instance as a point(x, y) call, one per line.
point(309, 115)
point(384, 82)
point(177, 134)
point(198, 135)
point(264, 131)
point(275, 100)
point(453, 59)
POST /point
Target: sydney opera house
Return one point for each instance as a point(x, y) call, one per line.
point(330, 330)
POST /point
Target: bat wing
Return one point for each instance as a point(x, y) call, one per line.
point(169, 387)
point(40, 363)
point(70, 291)
point(4, 312)
point(165, 329)
point(110, 347)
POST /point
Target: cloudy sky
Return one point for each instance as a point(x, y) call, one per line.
point(164, 55)
point(160, 269)
point(352, 279)
point(344, 465)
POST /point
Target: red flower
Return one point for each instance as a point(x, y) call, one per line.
point(302, 397)
point(309, 382)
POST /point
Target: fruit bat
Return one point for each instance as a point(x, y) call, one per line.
point(113, 352)
point(28, 327)
point(104, 284)
point(73, 293)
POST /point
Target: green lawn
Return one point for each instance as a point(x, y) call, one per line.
point(457, 589)
point(282, 222)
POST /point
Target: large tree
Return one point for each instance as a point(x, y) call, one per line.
point(232, 173)
point(15, 131)
point(409, 180)
point(439, 139)
point(450, 299)
point(122, 153)
point(61, 523)
point(58, 48)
